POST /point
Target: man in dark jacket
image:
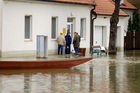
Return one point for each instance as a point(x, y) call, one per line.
point(76, 42)
point(68, 43)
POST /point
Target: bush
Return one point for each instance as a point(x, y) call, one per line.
point(129, 28)
point(136, 22)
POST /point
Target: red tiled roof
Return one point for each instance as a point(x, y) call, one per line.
point(106, 7)
point(87, 2)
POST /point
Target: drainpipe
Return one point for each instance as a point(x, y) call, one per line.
point(93, 16)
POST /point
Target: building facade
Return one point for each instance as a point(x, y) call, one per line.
point(23, 21)
point(104, 10)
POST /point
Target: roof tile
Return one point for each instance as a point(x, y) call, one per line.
point(106, 7)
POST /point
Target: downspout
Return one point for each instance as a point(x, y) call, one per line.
point(93, 16)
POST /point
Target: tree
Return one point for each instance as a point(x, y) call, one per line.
point(136, 22)
point(129, 28)
point(136, 3)
point(113, 28)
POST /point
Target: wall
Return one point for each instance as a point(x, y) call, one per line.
point(105, 22)
point(1, 4)
point(13, 24)
point(130, 13)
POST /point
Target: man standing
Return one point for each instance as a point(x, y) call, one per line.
point(76, 42)
point(61, 42)
point(79, 38)
point(68, 43)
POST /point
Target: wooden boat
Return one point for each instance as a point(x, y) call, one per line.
point(44, 64)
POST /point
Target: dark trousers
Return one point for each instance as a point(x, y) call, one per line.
point(60, 48)
point(67, 49)
point(76, 50)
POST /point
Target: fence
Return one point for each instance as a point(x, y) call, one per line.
point(137, 40)
point(132, 41)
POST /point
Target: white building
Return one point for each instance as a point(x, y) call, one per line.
point(104, 10)
point(21, 21)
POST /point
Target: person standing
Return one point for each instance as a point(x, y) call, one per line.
point(79, 38)
point(61, 42)
point(68, 43)
point(76, 42)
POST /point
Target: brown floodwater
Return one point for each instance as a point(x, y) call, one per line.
point(104, 74)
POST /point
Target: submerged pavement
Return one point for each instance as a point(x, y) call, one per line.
point(103, 74)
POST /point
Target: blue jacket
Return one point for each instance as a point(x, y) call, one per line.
point(68, 40)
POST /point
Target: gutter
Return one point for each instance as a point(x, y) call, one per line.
point(93, 16)
point(66, 2)
point(111, 15)
point(129, 8)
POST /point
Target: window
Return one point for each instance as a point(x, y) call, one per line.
point(70, 26)
point(83, 27)
point(27, 27)
point(54, 28)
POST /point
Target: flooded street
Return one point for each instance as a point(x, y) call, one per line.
point(104, 74)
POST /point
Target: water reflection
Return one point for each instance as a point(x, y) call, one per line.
point(119, 74)
point(121, 77)
point(27, 83)
point(91, 79)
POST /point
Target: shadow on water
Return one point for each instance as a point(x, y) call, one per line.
point(104, 74)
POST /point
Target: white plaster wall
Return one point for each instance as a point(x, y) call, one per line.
point(121, 24)
point(1, 4)
point(105, 22)
point(130, 13)
point(13, 23)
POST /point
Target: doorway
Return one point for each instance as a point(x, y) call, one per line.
point(100, 36)
point(42, 49)
point(70, 26)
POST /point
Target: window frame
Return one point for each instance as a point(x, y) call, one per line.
point(84, 30)
point(56, 32)
point(73, 23)
point(30, 36)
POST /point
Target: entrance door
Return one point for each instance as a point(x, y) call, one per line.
point(70, 26)
point(42, 46)
point(98, 36)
